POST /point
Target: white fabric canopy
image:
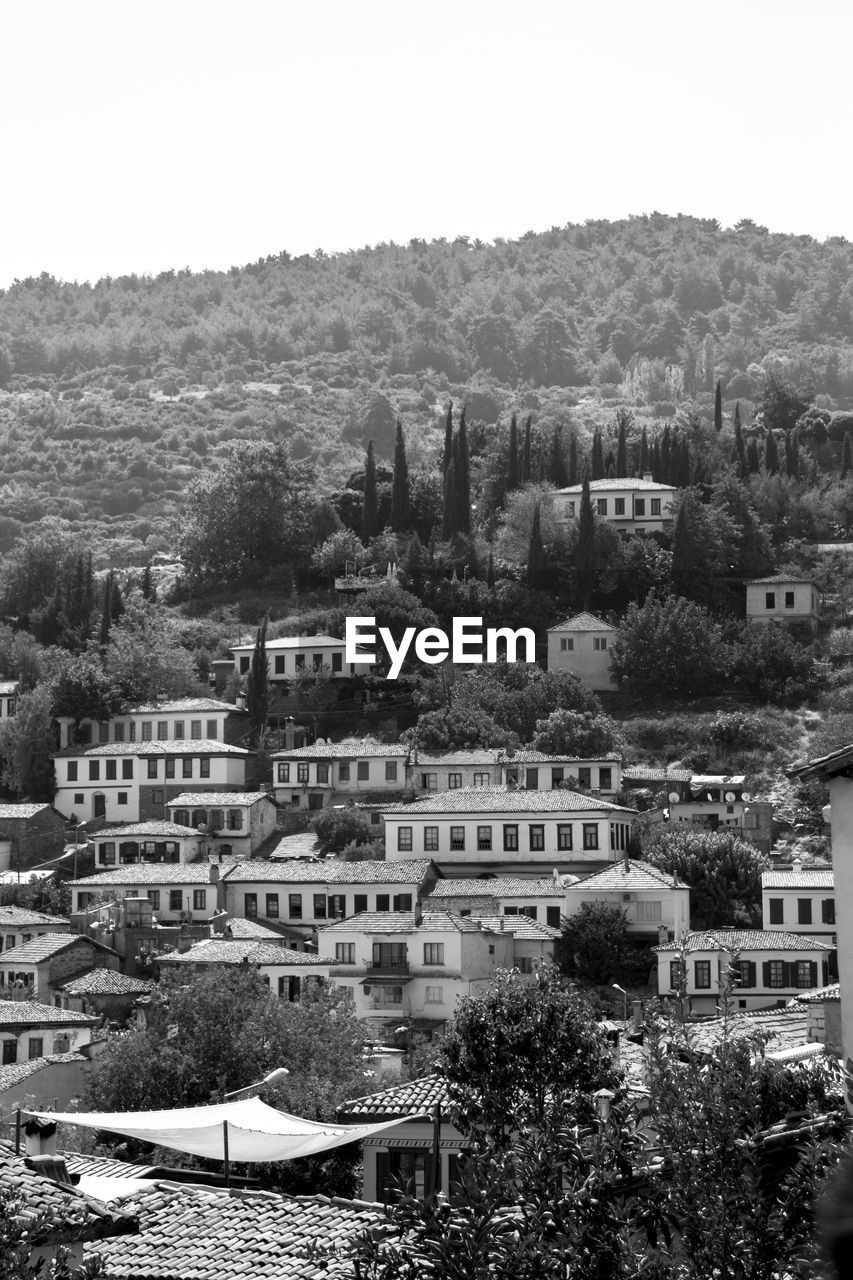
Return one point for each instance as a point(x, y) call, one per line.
point(256, 1132)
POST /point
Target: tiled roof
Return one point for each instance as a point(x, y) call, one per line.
point(648, 773)
point(638, 875)
point(142, 829)
point(477, 755)
point(778, 579)
point(827, 766)
point(700, 780)
point(104, 1166)
point(620, 485)
point(331, 871)
point(500, 887)
point(21, 917)
point(22, 810)
point(744, 940)
point(31, 1013)
point(73, 1216)
point(106, 982)
point(404, 922)
point(302, 844)
point(243, 930)
point(413, 1098)
point(174, 747)
point(201, 1233)
point(529, 756)
point(507, 800)
point(583, 622)
point(18, 1072)
point(805, 878)
point(226, 951)
point(292, 642)
point(521, 927)
point(8, 688)
point(49, 944)
point(781, 1029)
point(177, 705)
point(141, 873)
point(347, 748)
point(217, 799)
point(830, 992)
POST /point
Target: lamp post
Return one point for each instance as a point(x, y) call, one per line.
point(624, 995)
point(278, 1074)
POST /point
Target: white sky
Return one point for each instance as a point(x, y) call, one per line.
point(139, 136)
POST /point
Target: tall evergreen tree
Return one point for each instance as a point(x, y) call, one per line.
point(536, 567)
point(400, 509)
point(513, 473)
point(643, 464)
point(413, 565)
point(666, 456)
point(596, 465)
point(753, 462)
point(574, 471)
point(585, 567)
point(463, 477)
point(718, 407)
point(737, 416)
point(740, 449)
point(771, 454)
point(146, 586)
point(490, 571)
point(683, 551)
point(448, 440)
point(846, 458)
point(622, 420)
point(654, 461)
point(557, 471)
point(526, 473)
point(370, 506)
point(449, 517)
point(258, 686)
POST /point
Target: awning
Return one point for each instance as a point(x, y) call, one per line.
point(386, 980)
point(255, 1132)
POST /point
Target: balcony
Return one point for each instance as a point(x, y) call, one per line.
point(388, 968)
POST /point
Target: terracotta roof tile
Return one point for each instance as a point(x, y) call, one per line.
point(22, 810)
point(500, 887)
point(106, 982)
point(49, 944)
point(638, 875)
point(413, 1098)
point(806, 878)
point(583, 622)
point(217, 799)
point(76, 1217)
point(21, 917)
point(346, 749)
point(145, 873)
point(32, 1013)
point(744, 940)
point(17, 1073)
point(507, 800)
point(404, 922)
point(229, 951)
point(174, 747)
point(331, 871)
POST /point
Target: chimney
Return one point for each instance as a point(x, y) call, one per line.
point(797, 864)
point(240, 702)
point(213, 873)
point(41, 1137)
point(647, 475)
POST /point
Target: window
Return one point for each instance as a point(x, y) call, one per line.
point(250, 906)
point(345, 952)
point(216, 817)
point(552, 917)
point(110, 770)
point(433, 953)
point(179, 729)
point(119, 732)
point(235, 819)
point(187, 767)
point(294, 906)
point(789, 599)
point(317, 661)
point(655, 510)
point(359, 903)
point(585, 777)
point(363, 771)
point(390, 770)
point(590, 835)
point(601, 506)
point(79, 797)
point(199, 899)
point(170, 767)
point(152, 768)
point(299, 660)
point(564, 836)
point(570, 507)
point(525, 964)
point(337, 906)
point(599, 643)
point(567, 643)
point(482, 780)
point(511, 836)
point(284, 773)
point(72, 770)
point(162, 730)
point(827, 911)
point(805, 974)
point(271, 906)
point(484, 838)
point(558, 777)
point(676, 974)
point(337, 662)
point(430, 839)
point(404, 839)
point(434, 995)
point(429, 782)
point(639, 507)
point(157, 796)
point(10, 1052)
point(94, 770)
point(108, 853)
point(176, 900)
point(536, 832)
point(245, 663)
point(181, 817)
point(770, 600)
point(775, 973)
point(777, 910)
point(146, 730)
point(302, 773)
point(319, 906)
point(605, 779)
point(648, 911)
point(531, 779)
point(213, 729)
point(383, 902)
point(804, 910)
point(703, 975)
point(322, 773)
point(457, 838)
point(619, 506)
point(454, 781)
point(121, 798)
point(195, 730)
point(204, 767)
point(343, 772)
point(744, 973)
point(279, 664)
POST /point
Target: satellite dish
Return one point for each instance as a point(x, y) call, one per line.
point(745, 795)
point(709, 795)
point(674, 797)
point(730, 797)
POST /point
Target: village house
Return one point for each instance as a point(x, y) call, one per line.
point(105, 993)
point(306, 895)
point(532, 941)
point(20, 924)
point(582, 645)
point(782, 598)
point(121, 782)
point(30, 835)
point(146, 842)
point(329, 772)
point(772, 967)
point(507, 831)
point(542, 771)
point(452, 770)
point(284, 969)
point(9, 690)
point(540, 900)
point(176, 891)
point(167, 720)
point(802, 898)
point(228, 821)
point(289, 657)
point(31, 1029)
point(654, 902)
point(43, 1083)
point(36, 970)
point(418, 966)
point(630, 504)
point(673, 781)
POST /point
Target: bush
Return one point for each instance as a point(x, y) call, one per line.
point(733, 729)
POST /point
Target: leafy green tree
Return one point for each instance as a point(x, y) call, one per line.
point(594, 944)
point(145, 655)
point(38, 566)
point(258, 686)
point(27, 741)
point(400, 508)
point(336, 828)
point(668, 648)
point(722, 870)
point(330, 559)
point(27, 1233)
point(82, 690)
point(780, 403)
point(769, 661)
point(577, 733)
point(771, 454)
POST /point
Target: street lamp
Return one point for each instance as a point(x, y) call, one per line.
point(624, 995)
point(278, 1074)
point(77, 831)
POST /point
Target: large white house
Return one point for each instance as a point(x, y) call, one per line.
point(633, 504)
point(291, 656)
point(315, 776)
point(170, 719)
point(541, 900)
point(508, 831)
point(229, 821)
point(801, 898)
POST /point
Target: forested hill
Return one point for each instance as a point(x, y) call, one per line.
point(115, 394)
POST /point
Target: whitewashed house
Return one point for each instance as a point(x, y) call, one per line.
point(20, 924)
point(30, 1030)
point(177, 892)
point(783, 598)
point(541, 900)
point(801, 898)
point(145, 842)
point(651, 899)
point(9, 690)
point(631, 504)
point(329, 772)
point(542, 771)
point(582, 645)
point(284, 969)
point(291, 656)
point(229, 822)
point(167, 720)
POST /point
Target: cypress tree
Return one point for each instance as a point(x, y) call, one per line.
point(490, 571)
point(258, 686)
point(771, 454)
point(737, 416)
point(513, 475)
point(557, 471)
point(370, 505)
point(596, 466)
point(585, 566)
point(536, 554)
point(718, 407)
point(463, 478)
point(666, 456)
point(400, 510)
point(448, 440)
point(146, 586)
point(654, 462)
point(643, 465)
point(574, 473)
point(449, 518)
point(683, 570)
point(753, 462)
point(793, 461)
point(846, 458)
point(622, 444)
point(740, 450)
point(413, 565)
point(106, 614)
point(526, 475)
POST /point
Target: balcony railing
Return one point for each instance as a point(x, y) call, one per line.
point(388, 966)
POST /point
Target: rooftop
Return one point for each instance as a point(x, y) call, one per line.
point(520, 926)
point(48, 945)
point(828, 766)
point(302, 844)
point(235, 951)
point(74, 1216)
point(178, 705)
point(830, 992)
point(501, 887)
point(218, 800)
point(16, 1073)
point(106, 982)
point(242, 930)
point(413, 1098)
point(583, 622)
point(142, 829)
point(529, 756)
point(779, 578)
point(22, 810)
point(635, 876)
point(154, 873)
point(404, 922)
point(331, 871)
point(651, 773)
point(744, 940)
point(621, 485)
point(507, 800)
point(23, 917)
point(292, 642)
point(8, 688)
point(346, 749)
point(31, 1013)
point(803, 878)
point(174, 747)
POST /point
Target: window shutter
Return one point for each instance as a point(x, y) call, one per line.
point(765, 973)
point(812, 973)
point(790, 972)
point(750, 973)
point(382, 1176)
